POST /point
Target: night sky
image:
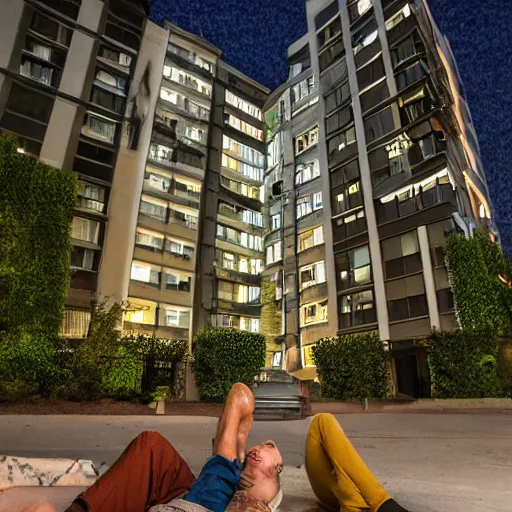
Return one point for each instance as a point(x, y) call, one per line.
point(254, 37)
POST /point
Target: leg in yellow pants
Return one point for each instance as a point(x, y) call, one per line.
point(339, 477)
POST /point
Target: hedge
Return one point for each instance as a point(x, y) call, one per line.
point(36, 209)
point(270, 321)
point(463, 364)
point(224, 356)
point(352, 367)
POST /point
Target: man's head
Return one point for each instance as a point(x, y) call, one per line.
point(263, 465)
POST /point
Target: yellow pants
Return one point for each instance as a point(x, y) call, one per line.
point(339, 477)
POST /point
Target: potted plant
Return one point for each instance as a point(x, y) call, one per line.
point(160, 396)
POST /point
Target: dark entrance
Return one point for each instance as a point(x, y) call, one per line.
point(411, 369)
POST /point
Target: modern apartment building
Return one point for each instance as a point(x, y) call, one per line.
point(372, 160)
point(65, 72)
point(195, 181)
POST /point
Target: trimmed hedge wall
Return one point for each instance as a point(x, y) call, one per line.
point(352, 367)
point(464, 364)
point(224, 356)
point(36, 209)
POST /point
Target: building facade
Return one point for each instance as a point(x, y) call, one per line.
point(197, 185)
point(372, 160)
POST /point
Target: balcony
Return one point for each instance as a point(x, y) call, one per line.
point(421, 200)
point(237, 277)
point(238, 308)
point(349, 225)
point(182, 219)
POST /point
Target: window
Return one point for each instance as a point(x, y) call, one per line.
point(149, 240)
point(179, 248)
point(145, 273)
point(184, 103)
point(357, 309)
point(404, 51)
point(275, 221)
point(242, 126)
point(157, 209)
point(243, 105)
point(306, 140)
point(408, 307)
point(370, 75)
point(238, 293)
point(174, 317)
point(311, 275)
point(109, 79)
point(184, 216)
point(85, 229)
point(353, 268)
point(379, 124)
point(188, 80)
point(274, 253)
point(82, 258)
point(311, 238)
point(190, 57)
point(251, 172)
point(161, 154)
point(340, 142)
point(365, 37)
point(445, 301)
point(313, 313)
point(115, 56)
point(411, 75)
point(91, 197)
point(345, 174)
point(329, 33)
point(249, 324)
point(75, 324)
point(331, 54)
point(397, 18)
point(194, 134)
point(243, 151)
point(350, 225)
point(338, 120)
point(107, 100)
point(337, 97)
point(303, 89)
point(140, 311)
point(308, 204)
point(357, 9)
point(349, 198)
point(99, 128)
point(46, 75)
point(307, 172)
point(51, 29)
point(174, 280)
point(402, 255)
point(275, 150)
point(277, 358)
point(253, 218)
point(28, 102)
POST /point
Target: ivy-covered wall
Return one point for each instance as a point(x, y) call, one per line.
point(270, 321)
point(36, 206)
point(482, 300)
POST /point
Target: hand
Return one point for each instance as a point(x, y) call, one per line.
point(245, 482)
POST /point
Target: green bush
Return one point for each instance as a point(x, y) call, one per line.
point(463, 364)
point(224, 356)
point(31, 358)
point(352, 367)
point(17, 391)
point(36, 209)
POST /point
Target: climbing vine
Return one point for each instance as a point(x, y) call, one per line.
point(270, 321)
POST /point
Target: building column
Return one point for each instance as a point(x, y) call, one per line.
point(366, 181)
point(123, 209)
point(428, 276)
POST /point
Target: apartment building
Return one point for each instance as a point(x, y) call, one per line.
point(65, 71)
point(372, 160)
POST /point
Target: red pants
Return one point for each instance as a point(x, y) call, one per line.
point(149, 472)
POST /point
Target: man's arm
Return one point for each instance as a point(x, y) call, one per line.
point(235, 423)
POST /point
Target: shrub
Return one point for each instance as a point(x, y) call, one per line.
point(224, 356)
point(17, 391)
point(32, 359)
point(352, 367)
point(463, 364)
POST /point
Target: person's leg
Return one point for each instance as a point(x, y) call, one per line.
point(331, 459)
point(149, 472)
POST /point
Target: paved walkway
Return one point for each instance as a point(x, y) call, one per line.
point(433, 463)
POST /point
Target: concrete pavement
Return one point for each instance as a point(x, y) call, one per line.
point(430, 462)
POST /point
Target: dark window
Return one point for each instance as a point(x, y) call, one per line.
point(45, 51)
point(406, 247)
point(51, 29)
point(324, 16)
point(94, 152)
point(339, 119)
point(349, 225)
point(411, 75)
point(374, 96)
point(330, 55)
point(121, 10)
point(371, 73)
point(30, 103)
point(409, 307)
point(340, 142)
point(438, 258)
point(345, 174)
point(386, 161)
point(69, 8)
point(347, 197)
point(337, 97)
point(107, 100)
point(40, 72)
point(330, 32)
point(353, 268)
point(445, 301)
point(116, 31)
point(23, 126)
point(83, 258)
point(379, 124)
point(357, 309)
point(404, 51)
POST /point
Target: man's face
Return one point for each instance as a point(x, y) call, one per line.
point(264, 458)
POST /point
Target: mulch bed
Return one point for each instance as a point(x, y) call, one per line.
point(109, 407)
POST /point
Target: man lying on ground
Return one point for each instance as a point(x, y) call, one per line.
point(151, 475)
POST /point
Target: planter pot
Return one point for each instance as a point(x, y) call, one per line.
point(160, 407)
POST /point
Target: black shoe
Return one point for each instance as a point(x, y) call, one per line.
point(391, 506)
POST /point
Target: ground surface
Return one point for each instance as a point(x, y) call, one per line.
point(433, 463)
